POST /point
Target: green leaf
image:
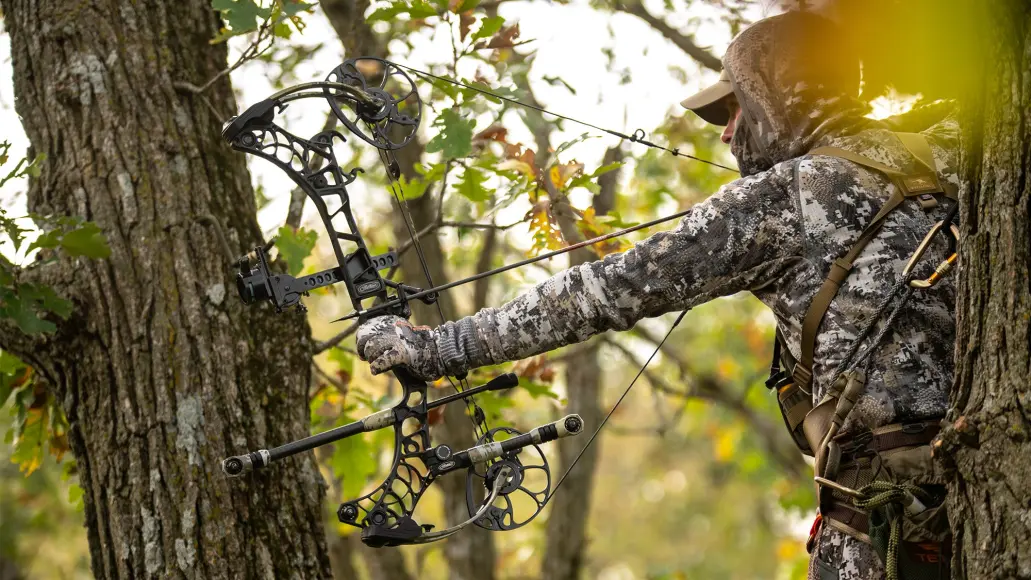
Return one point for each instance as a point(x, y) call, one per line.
point(589, 181)
point(536, 390)
point(570, 143)
point(471, 186)
point(559, 81)
point(353, 462)
point(75, 496)
point(421, 9)
point(295, 7)
point(11, 373)
point(615, 220)
point(13, 231)
point(24, 315)
point(414, 10)
point(489, 26)
point(45, 298)
point(282, 30)
point(10, 364)
point(455, 138)
point(86, 240)
point(240, 15)
point(416, 187)
point(387, 13)
point(48, 240)
point(295, 246)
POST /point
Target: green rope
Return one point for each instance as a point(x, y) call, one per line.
point(879, 494)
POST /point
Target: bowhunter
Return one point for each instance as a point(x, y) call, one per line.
point(821, 226)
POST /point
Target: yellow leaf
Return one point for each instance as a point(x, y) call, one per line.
point(29, 465)
point(590, 228)
point(517, 165)
point(788, 549)
point(547, 235)
point(726, 444)
point(561, 173)
point(727, 368)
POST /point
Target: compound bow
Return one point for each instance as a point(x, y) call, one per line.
point(379, 103)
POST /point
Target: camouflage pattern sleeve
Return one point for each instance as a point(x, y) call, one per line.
point(741, 238)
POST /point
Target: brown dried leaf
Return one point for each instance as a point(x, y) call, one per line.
point(505, 38)
point(465, 21)
point(547, 235)
point(495, 132)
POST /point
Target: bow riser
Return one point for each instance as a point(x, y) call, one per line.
point(312, 165)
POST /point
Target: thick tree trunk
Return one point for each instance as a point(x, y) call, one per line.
point(161, 371)
point(987, 449)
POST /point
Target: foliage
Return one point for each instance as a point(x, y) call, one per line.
point(25, 303)
point(39, 424)
point(294, 246)
point(244, 16)
point(41, 517)
point(454, 137)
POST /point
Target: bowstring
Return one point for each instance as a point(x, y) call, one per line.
point(638, 136)
point(476, 414)
point(614, 407)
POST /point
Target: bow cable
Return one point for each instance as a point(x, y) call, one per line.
point(636, 137)
point(476, 414)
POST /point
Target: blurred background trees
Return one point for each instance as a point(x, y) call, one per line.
point(694, 470)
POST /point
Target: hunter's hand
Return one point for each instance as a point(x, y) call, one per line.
point(391, 341)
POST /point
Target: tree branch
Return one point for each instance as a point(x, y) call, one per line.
point(684, 42)
point(707, 388)
point(325, 345)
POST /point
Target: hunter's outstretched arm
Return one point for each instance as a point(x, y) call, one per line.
point(740, 238)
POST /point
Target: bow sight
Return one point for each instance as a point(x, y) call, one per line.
point(379, 104)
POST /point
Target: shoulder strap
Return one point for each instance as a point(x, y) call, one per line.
point(919, 148)
point(907, 185)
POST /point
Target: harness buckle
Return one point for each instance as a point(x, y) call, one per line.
point(914, 428)
point(854, 444)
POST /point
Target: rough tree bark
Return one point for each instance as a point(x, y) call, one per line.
point(161, 371)
point(987, 448)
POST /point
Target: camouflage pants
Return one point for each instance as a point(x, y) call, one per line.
point(839, 556)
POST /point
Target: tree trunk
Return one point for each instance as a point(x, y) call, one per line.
point(160, 370)
point(987, 448)
point(567, 520)
point(470, 554)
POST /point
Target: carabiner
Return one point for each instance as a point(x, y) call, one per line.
point(942, 268)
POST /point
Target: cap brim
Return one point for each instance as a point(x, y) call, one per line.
point(709, 104)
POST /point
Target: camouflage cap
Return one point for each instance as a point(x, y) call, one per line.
point(709, 103)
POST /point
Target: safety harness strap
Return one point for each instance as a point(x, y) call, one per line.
point(920, 185)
